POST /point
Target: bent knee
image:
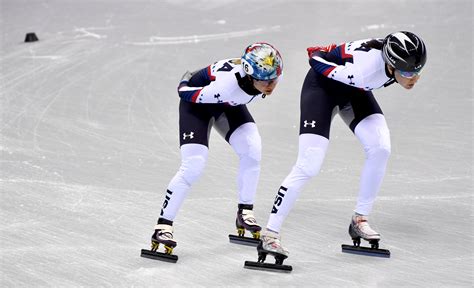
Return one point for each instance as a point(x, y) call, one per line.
point(192, 167)
point(247, 143)
point(379, 151)
point(381, 147)
point(310, 161)
point(254, 151)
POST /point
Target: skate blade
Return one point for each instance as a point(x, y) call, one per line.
point(267, 267)
point(365, 251)
point(159, 256)
point(242, 240)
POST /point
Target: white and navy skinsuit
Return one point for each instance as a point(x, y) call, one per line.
point(340, 82)
point(215, 96)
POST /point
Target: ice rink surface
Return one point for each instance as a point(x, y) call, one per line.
point(89, 142)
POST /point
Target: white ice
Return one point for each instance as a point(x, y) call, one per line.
point(89, 142)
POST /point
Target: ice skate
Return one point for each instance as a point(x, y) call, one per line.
point(360, 228)
point(245, 220)
point(163, 235)
point(270, 244)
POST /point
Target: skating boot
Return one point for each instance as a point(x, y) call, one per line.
point(245, 220)
point(271, 244)
point(360, 228)
point(163, 235)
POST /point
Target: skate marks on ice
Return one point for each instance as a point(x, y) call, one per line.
point(157, 40)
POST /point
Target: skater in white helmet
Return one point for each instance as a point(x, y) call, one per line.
point(340, 80)
point(216, 96)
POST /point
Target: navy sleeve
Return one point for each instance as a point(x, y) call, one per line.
point(200, 78)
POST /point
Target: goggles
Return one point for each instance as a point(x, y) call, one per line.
point(409, 75)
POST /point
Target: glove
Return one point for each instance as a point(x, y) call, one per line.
point(325, 49)
point(186, 76)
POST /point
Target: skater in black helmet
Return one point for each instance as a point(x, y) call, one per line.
point(216, 96)
point(340, 81)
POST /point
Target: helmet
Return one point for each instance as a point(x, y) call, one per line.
point(262, 61)
point(404, 51)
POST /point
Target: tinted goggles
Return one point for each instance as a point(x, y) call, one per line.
point(409, 75)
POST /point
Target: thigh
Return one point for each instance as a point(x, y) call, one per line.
point(195, 121)
point(362, 104)
point(317, 106)
point(232, 118)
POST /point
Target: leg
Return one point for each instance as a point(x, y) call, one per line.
point(246, 143)
point(366, 120)
point(374, 135)
point(194, 122)
point(312, 149)
point(317, 106)
point(239, 129)
point(193, 161)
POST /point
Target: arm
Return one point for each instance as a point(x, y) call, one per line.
point(192, 84)
point(340, 66)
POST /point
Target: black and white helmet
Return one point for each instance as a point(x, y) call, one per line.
point(404, 51)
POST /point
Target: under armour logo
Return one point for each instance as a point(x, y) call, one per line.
point(350, 79)
point(312, 123)
point(217, 96)
point(190, 135)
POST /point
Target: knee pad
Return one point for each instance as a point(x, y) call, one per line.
point(246, 142)
point(310, 161)
point(380, 147)
point(254, 150)
point(377, 151)
point(192, 167)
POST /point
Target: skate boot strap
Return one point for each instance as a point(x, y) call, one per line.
point(272, 235)
point(358, 219)
point(271, 242)
point(363, 225)
point(367, 229)
point(164, 228)
point(248, 216)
